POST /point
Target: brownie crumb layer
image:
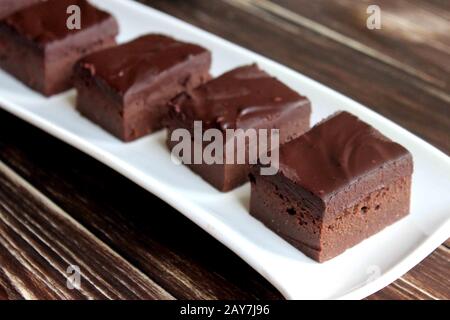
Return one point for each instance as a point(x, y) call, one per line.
point(38, 48)
point(292, 220)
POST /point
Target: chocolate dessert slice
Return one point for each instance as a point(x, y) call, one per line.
point(39, 49)
point(243, 98)
point(126, 89)
point(338, 184)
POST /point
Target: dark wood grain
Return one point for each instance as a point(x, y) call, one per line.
point(162, 243)
point(39, 241)
point(431, 277)
point(427, 281)
point(408, 100)
point(7, 290)
point(414, 35)
point(59, 206)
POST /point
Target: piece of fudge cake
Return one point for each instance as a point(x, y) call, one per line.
point(243, 98)
point(38, 48)
point(338, 184)
point(126, 89)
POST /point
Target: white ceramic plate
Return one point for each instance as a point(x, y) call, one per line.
point(357, 273)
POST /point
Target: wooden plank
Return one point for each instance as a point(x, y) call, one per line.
point(404, 98)
point(414, 35)
point(155, 238)
point(432, 275)
point(429, 280)
point(39, 241)
point(399, 290)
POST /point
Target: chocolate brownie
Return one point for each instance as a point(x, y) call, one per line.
point(338, 184)
point(7, 7)
point(243, 98)
point(38, 48)
point(126, 89)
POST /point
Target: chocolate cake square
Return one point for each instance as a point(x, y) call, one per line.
point(38, 48)
point(7, 7)
point(243, 98)
point(126, 89)
point(338, 184)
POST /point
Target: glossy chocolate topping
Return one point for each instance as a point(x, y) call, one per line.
point(132, 66)
point(337, 152)
point(46, 21)
point(240, 98)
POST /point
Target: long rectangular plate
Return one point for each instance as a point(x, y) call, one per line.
point(357, 273)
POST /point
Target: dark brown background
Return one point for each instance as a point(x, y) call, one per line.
point(60, 207)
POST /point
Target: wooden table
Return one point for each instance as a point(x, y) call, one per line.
point(59, 207)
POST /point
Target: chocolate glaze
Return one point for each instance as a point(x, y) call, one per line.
point(321, 240)
point(338, 152)
point(243, 98)
point(46, 22)
point(131, 67)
